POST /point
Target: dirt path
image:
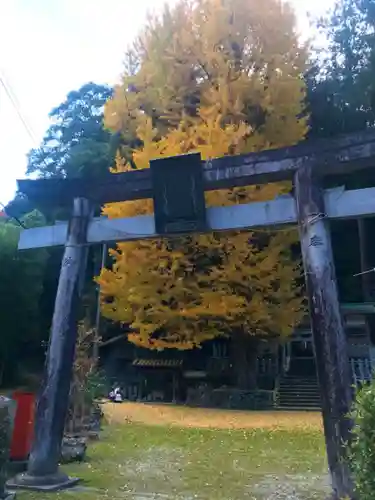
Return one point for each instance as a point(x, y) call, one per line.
point(181, 416)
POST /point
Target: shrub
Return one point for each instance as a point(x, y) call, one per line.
point(362, 448)
point(88, 383)
point(97, 386)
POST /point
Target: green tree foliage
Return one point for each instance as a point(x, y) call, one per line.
point(21, 278)
point(76, 144)
point(362, 449)
point(341, 82)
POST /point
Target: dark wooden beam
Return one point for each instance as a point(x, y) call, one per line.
point(43, 473)
point(327, 157)
point(327, 327)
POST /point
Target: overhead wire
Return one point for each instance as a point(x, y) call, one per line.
point(17, 107)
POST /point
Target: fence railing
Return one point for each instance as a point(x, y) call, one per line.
point(361, 370)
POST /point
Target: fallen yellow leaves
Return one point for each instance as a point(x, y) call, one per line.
point(202, 418)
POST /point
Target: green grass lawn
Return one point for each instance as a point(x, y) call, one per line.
point(142, 462)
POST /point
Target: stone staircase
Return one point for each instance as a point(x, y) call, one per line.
point(299, 393)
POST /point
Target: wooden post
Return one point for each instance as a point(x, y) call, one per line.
point(174, 388)
point(42, 473)
point(365, 267)
point(367, 280)
point(95, 350)
point(327, 326)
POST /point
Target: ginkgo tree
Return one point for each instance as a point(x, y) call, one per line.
point(219, 77)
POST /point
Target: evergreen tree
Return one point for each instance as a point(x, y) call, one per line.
point(76, 144)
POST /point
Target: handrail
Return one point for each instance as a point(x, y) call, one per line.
point(361, 370)
point(276, 391)
point(286, 357)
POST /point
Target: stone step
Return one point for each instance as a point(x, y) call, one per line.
point(300, 407)
point(288, 383)
point(315, 386)
point(299, 380)
point(298, 394)
point(297, 408)
point(303, 386)
point(299, 387)
point(298, 390)
point(299, 402)
point(294, 382)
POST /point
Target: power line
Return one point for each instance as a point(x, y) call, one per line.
point(16, 105)
point(14, 101)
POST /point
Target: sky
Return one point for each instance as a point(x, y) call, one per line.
point(49, 47)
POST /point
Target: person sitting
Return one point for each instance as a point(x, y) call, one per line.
point(115, 395)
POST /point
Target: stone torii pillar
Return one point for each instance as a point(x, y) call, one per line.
point(43, 468)
point(7, 411)
point(329, 337)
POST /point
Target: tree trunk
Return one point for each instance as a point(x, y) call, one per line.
point(244, 357)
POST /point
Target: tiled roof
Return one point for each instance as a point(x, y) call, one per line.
point(158, 363)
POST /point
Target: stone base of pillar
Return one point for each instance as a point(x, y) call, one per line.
point(53, 482)
point(9, 496)
point(16, 467)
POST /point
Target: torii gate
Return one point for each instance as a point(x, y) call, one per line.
point(310, 207)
